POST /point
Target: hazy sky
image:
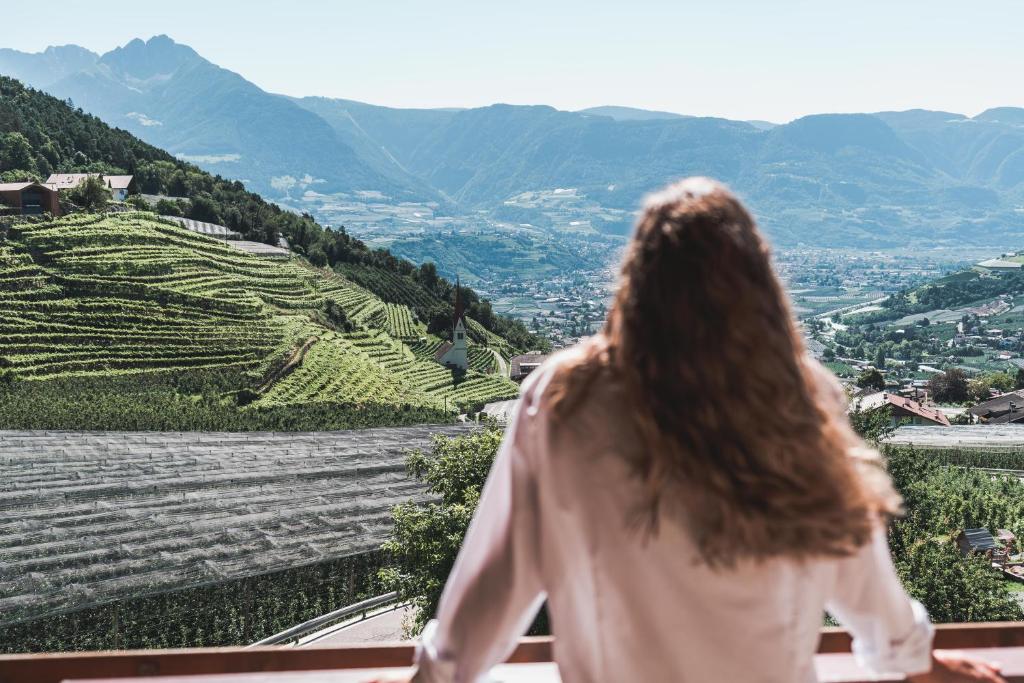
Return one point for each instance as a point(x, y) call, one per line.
point(764, 59)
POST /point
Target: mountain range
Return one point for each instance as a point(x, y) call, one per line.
point(869, 180)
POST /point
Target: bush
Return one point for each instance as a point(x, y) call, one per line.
point(92, 194)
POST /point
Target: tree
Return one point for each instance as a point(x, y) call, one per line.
point(954, 588)
point(1018, 379)
point(16, 154)
point(92, 194)
point(871, 379)
point(880, 358)
point(872, 425)
point(427, 536)
point(949, 386)
point(439, 320)
point(166, 207)
point(980, 388)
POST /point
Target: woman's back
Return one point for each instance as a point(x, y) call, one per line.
point(638, 606)
point(554, 522)
point(684, 488)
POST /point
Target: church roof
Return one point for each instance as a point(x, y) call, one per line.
point(441, 350)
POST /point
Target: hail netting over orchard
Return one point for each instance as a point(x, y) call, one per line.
point(92, 517)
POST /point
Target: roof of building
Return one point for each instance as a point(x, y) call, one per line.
point(527, 361)
point(65, 181)
point(118, 182)
point(979, 539)
point(14, 187)
point(914, 408)
point(441, 350)
point(1003, 409)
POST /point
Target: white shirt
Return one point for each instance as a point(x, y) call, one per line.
point(552, 523)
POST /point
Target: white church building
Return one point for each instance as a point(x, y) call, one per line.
point(455, 354)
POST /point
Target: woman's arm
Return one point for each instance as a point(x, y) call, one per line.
point(494, 589)
point(891, 632)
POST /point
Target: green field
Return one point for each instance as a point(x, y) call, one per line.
point(93, 298)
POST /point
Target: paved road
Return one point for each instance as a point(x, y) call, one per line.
point(503, 368)
point(383, 627)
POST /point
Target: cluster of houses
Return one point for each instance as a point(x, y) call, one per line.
point(915, 409)
point(29, 198)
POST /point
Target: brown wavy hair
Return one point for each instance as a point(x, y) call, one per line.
point(743, 435)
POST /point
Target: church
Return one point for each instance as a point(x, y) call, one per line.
point(455, 354)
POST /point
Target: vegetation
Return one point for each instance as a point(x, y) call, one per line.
point(91, 195)
point(228, 613)
point(40, 134)
point(224, 339)
point(950, 386)
point(940, 501)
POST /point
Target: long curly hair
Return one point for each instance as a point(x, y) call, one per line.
point(744, 436)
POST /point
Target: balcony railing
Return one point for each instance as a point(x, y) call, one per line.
point(1003, 643)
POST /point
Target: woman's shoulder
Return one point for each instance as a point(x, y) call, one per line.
point(559, 364)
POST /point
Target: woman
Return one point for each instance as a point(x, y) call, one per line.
point(684, 489)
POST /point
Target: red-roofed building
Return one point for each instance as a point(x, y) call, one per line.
point(905, 410)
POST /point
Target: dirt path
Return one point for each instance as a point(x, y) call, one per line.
point(294, 361)
point(502, 365)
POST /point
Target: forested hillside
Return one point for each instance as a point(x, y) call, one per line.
point(40, 134)
point(126, 321)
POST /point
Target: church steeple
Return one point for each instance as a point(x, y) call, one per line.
point(456, 353)
point(459, 310)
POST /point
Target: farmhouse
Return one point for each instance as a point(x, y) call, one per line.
point(118, 184)
point(30, 198)
point(1005, 409)
point(455, 354)
point(525, 364)
point(902, 410)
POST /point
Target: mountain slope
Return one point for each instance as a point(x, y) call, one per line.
point(175, 99)
point(143, 324)
point(859, 180)
point(56, 137)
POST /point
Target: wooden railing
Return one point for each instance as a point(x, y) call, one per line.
point(1001, 642)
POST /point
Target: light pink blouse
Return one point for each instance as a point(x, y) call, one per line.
point(551, 524)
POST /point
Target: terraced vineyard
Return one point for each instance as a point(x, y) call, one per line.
point(401, 324)
point(126, 294)
point(91, 518)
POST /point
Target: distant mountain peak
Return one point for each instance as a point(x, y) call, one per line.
point(630, 113)
point(1013, 116)
point(159, 55)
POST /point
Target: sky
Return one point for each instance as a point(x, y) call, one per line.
point(774, 60)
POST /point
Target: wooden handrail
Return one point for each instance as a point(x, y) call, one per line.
point(56, 667)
